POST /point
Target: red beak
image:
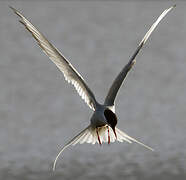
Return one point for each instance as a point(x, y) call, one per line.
point(114, 132)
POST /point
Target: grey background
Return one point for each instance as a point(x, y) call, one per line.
point(40, 112)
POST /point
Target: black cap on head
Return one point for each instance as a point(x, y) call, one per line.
point(111, 119)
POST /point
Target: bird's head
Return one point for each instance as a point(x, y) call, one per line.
point(111, 119)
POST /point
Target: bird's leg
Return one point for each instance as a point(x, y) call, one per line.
point(98, 136)
point(108, 135)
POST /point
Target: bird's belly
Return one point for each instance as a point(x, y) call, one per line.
point(96, 122)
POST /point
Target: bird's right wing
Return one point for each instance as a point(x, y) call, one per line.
point(69, 72)
point(109, 100)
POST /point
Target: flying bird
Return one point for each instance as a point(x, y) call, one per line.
point(102, 127)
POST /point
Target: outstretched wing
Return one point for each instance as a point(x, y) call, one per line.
point(70, 73)
point(109, 100)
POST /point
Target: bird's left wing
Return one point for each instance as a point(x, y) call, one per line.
point(70, 73)
point(109, 100)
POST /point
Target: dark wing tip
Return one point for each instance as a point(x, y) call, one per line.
point(10, 7)
point(15, 11)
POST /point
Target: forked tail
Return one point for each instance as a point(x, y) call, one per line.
point(89, 135)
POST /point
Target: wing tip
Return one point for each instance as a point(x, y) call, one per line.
point(169, 9)
point(11, 7)
point(174, 6)
point(14, 10)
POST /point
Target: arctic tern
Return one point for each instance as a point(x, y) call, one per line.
point(103, 122)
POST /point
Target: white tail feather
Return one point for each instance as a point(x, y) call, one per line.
point(83, 136)
point(89, 135)
point(125, 137)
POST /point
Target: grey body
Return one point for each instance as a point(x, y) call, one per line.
point(104, 115)
point(98, 118)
